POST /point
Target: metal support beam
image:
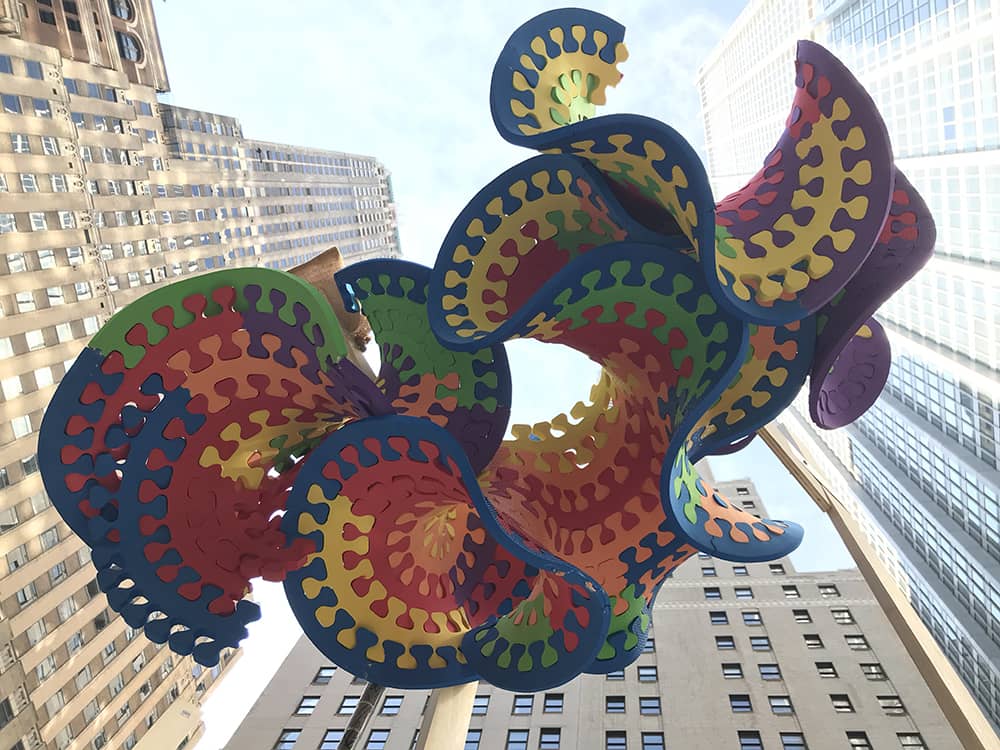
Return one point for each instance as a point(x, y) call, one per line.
point(956, 702)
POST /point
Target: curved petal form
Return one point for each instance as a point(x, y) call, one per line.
point(162, 440)
point(854, 380)
point(801, 228)
point(517, 232)
point(467, 393)
point(716, 526)
point(441, 602)
point(775, 368)
point(904, 246)
point(554, 70)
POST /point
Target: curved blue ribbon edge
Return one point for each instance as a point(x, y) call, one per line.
point(415, 429)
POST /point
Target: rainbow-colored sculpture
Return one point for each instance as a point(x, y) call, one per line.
point(215, 430)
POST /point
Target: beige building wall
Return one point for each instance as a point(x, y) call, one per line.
point(810, 654)
point(98, 205)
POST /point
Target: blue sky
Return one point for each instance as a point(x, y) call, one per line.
point(407, 82)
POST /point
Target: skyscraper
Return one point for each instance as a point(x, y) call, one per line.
point(105, 194)
point(919, 470)
point(741, 656)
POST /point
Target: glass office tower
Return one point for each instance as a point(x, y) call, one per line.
point(919, 470)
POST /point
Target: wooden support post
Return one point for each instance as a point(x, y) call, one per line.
point(446, 720)
point(959, 707)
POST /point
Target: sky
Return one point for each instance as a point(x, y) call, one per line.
point(408, 83)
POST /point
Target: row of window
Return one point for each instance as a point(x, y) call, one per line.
point(872, 671)
point(550, 738)
point(753, 617)
point(791, 591)
point(855, 642)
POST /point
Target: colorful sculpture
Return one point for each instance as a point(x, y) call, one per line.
point(215, 431)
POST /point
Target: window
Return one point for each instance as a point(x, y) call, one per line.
point(49, 538)
point(83, 678)
point(740, 570)
point(841, 703)
point(377, 739)
point(618, 674)
point(129, 46)
point(11, 104)
point(472, 738)
point(752, 617)
point(791, 592)
point(121, 9)
point(29, 183)
point(647, 674)
point(712, 592)
point(7, 223)
point(911, 740)
point(58, 182)
point(517, 739)
point(793, 741)
point(725, 642)
point(307, 705)
point(522, 704)
point(802, 616)
point(17, 557)
point(826, 669)
point(45, 668)
point(653, 741)
point(708, 571)
point(718, 617)
point(614, 741)
point(20, 144)
point(760, 643)
point(331, 740)
point(742, 490)
point(553, 703)
point(842, 616)
point(391, 705)
point(873, 671)
point(57, 572)
point(36, 631)
point(780, 704)
point(348, 704)
point(769, 671)
point(858, 741)
point(743, 592)
point(857, 642)
point(740, 703)
point(732, 671)
point(42, 108)
point(549, 739)
point(750, 741)
point(892, 705)
point(650, 706)
point(614, 704)
point(26, 595)
point(38, 221)
point(649, 646)
point(828, 591)
point(813, 640)
point(324, 675)
point(480, 705)
point(777, 569)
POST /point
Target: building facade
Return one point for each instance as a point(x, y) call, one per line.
point(919, 470)
point(744, 656)
point(104, 195)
